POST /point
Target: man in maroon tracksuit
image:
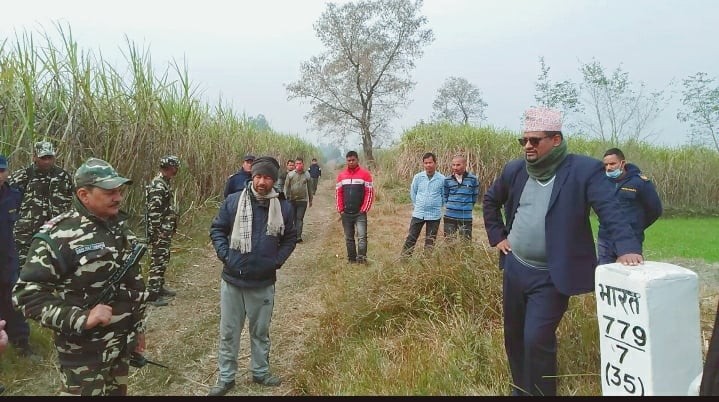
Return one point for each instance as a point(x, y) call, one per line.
point(354, 195)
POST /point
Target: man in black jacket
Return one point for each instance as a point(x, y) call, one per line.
point(253, 235)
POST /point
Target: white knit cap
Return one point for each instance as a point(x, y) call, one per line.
point(542, 119)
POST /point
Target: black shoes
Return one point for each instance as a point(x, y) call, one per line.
point(159, 302)
point(221, 388)
point(165, 291)
point(160, 299)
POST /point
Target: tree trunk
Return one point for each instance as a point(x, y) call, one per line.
point(367, 148)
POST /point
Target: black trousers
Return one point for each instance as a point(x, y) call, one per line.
point(415, 227)
point(16, 326)
point(710, 376)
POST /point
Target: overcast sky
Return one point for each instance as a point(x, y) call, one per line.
point(246, 51)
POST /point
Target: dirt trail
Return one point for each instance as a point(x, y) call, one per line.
point(184, 334)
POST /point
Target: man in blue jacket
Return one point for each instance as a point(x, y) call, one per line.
point(546, 243)
point(426, 194)
point(17, 328)
point(253, 235)
point(315, 173)
point(638, 199)
point(237, 181)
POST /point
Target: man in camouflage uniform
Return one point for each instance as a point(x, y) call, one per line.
point(46, 192)
point(69, 264)
point(161, 225)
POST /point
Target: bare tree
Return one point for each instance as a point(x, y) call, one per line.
point(362, 78)
point(700, 100)
point(617, 110)
point(559, 95)
point(458, 100)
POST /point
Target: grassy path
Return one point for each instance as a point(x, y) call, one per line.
point(184, 334)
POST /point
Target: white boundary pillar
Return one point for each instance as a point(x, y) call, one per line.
point(649, 328)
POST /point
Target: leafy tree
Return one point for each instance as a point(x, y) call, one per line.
point(259, 122)
point(559, 95)
point(459, 101)
point(700, 101)
point(617, 110)
point(362, 78)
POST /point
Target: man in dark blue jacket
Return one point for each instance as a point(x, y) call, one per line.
point(315, 173)
point(638, 199)
point(546, 244)
point(253, 235)
point(17, 328)
point(237, 181)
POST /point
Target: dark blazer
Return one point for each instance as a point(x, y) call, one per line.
point(580, 183)
point(10, 199)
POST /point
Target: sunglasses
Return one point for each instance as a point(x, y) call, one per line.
point(532, 140)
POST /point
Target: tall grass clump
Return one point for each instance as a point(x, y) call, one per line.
point(487, 149)
point(676, 171)
point(129, 115)
point(430, 324)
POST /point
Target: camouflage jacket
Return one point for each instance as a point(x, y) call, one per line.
point(161, 216)
point(69, 263)
point(44, 195)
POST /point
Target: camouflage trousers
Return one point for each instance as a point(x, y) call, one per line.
point(102, 379)
point(159, 258)
point(23, 238)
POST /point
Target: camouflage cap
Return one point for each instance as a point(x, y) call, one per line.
point(170, 161)
point(98, 173)
point(44, 148)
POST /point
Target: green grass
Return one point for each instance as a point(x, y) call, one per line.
point(677, 237)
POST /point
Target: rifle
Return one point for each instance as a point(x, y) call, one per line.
point(139, 361)
point(108, 291)
point(148, 228)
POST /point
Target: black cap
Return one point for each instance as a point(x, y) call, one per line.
point(249, 157)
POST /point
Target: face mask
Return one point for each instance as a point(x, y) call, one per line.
point(614, 173)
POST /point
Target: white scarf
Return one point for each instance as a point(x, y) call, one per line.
point(241, 238)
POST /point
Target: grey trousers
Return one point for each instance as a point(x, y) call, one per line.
point(235, 304)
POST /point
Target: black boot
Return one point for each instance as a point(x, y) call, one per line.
point(165, 291)
point(158, 302)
